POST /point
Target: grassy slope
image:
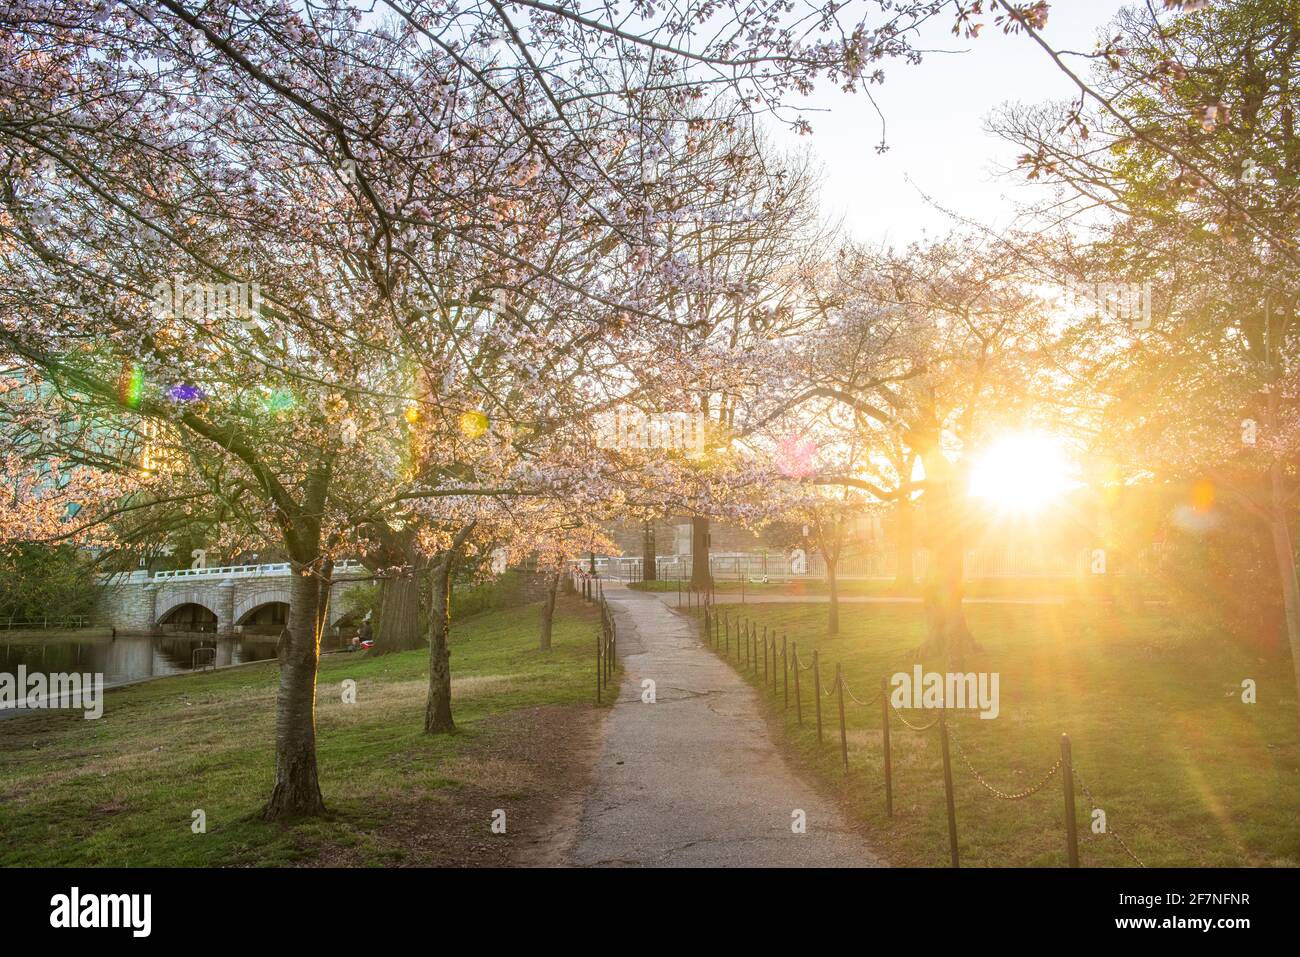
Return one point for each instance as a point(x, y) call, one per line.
point(120, 790)
point(1187, 773)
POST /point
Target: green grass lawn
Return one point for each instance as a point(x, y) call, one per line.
point(1072, 589)
point(1186, 773)
point(120, 791)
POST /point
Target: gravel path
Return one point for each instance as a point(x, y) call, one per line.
point(695, 780)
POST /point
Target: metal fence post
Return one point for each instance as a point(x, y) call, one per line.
point(1071, 825)
point(844, 737)
point(817, 693)
point(798, 702)
point(884, 734)
point(947, 789)
point(773, 672)
point(785, 674)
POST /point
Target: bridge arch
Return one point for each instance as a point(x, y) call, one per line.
point(168, 605)
point(279, 594)
point(256, 599)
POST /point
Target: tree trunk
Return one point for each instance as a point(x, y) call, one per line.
point(904, 574)
point(297, 790)
point(437, 713)
point(833, 624)
point(1279, 525)
point(399, 614)
point(649, 570)
point(700, 553)
point(947, 631)
point(548, 611)
point(1284, 551)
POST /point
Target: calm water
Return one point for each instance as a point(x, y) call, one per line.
point(128, 658)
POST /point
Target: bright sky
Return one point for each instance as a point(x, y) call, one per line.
point(934, 116)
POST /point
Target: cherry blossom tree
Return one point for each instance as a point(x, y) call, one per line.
point(258, 234)
point(1185, 181)
point(935, 348)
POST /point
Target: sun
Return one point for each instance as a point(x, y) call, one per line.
point(1022, 472)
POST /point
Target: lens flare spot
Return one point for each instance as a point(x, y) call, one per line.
point(473, 424)
point(1203, 495)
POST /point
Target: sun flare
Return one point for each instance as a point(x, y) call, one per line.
point(1022, 472)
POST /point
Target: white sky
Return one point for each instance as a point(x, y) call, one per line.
point(934, 116)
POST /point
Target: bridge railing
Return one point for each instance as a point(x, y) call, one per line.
point(243, 571)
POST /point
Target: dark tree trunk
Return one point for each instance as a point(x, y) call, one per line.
point(649, 570)
point(548, 610)
point(700, 553)
point(297, 790)
point(437, 713)
point(399, 614)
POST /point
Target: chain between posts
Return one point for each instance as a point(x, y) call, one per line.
point(1005, 796)
point(918, 728)
point(865, 704)
point(1115, 834)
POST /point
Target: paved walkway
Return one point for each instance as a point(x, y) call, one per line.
point(695, 779)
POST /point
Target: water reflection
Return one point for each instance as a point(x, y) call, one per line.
point(125, 658)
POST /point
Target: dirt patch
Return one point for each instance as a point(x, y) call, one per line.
point(533, 764)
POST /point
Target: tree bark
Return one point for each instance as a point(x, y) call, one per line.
point(649, 569)
point(437, 713)
point(1284, 551)
point(700, 577)
point(1279, 525)
point(548, 611)
point(399, 613)
point(297, 789)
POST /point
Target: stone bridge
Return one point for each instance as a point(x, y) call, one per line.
point(233, 595)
